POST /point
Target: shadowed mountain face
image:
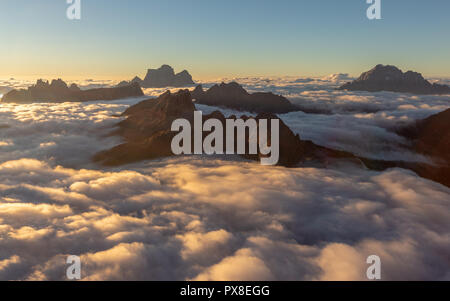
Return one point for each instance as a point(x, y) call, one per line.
point(431, 137)
point(154, 115)
point(147, 129)
point(163, 77)
point(148, 135)
point(390, 78)
point(234, 96)
point(58, 91)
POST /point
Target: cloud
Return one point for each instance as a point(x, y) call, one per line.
point(68, 133)
point(242, 266)
point(338, 77)
point(252, 222)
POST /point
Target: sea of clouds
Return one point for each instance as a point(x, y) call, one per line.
point(215, 218)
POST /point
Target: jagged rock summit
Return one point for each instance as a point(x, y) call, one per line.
point(163, 77)
point(234, 96)
point(58, 91)
point(147, 129)
point(391, 78)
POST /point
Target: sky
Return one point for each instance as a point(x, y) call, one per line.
point(118, 39)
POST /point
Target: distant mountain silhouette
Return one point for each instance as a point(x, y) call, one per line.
point(148, 135)
point(390, 78)
point(58, 91)
point(163, 77)
point(234, 96)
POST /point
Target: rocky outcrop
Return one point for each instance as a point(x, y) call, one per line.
point(155, 115)
point(147, 129)
point(390, 78)
point(234, 96)
point(58, 91)
point(198, 92)
point(123, 83)
point(137, 79)
point(148, 135)
point(163, 77)
point(431, 137)
point(133, 90)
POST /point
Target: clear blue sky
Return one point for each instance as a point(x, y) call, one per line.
point(122, 38)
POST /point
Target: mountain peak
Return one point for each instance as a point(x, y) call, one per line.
point(234, 96)
point(390, 78)
point(165, 76)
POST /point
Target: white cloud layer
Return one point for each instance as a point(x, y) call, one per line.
point(193, 218)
